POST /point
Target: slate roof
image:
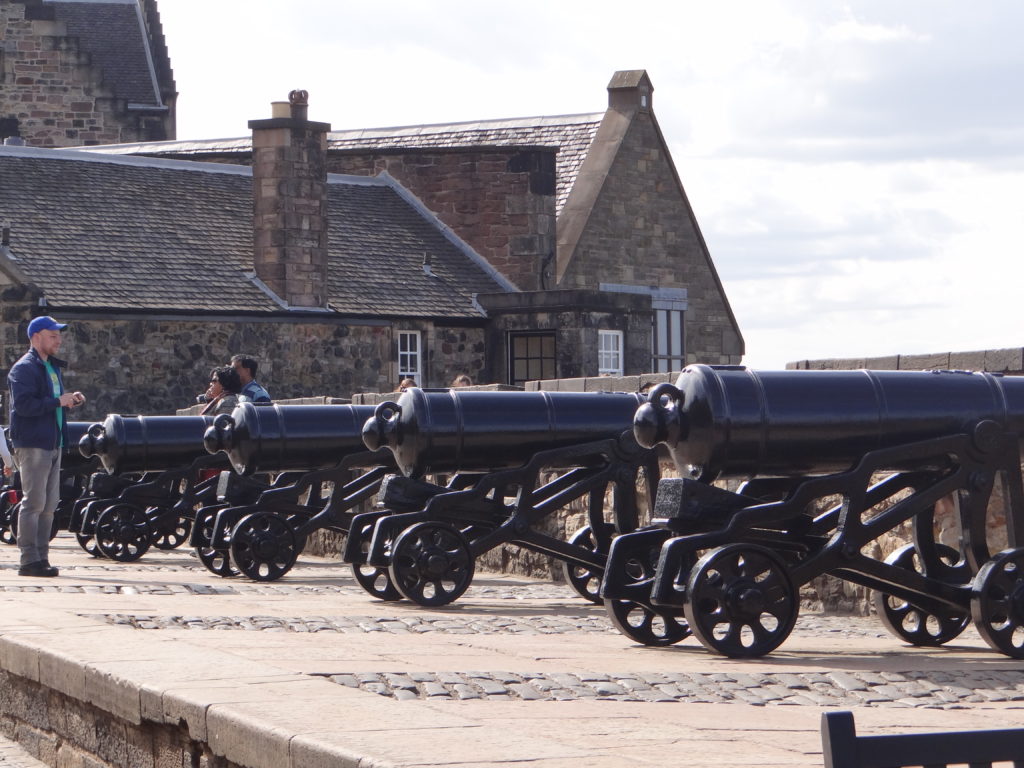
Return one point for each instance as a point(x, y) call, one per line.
point(142, 234)
point(571, 135)
point(113, 34)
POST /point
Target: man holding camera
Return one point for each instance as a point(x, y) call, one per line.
point(39, 431)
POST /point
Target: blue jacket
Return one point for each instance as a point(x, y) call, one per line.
point(33, 406)
point(256, 393)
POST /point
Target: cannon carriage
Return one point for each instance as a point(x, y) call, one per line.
point(825, 463)
point(512, 459)
point(325, 472)
point(157, 473)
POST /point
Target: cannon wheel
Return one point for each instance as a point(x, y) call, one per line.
point(640, 621)
point(740, 601)
point(910, 623)
point(375, 580)
point(216, 561)
point(264, 546)
point(431, 564)
point(88, 542)
point(123, 532)
point(7, 533)
point(585, 581)
point(170, 530)
point(997, 602)
point(54, 527)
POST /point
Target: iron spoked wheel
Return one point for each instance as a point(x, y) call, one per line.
point(216, 561)
point(997, 602)
point(375, 580)
point(910, 623)
point(170, 531)
point(8, 533)
point(123, 533)
point(264, 546)
point(88, 542)
point(583, 579)
point(431, 564)
point(638, 619)
point(740, 601)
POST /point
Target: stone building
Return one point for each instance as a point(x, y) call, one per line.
point(339, 284)
point(585, 215)
point(83, 72)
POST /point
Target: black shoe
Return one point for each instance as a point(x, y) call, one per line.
point(38, 568)
point(51, 569)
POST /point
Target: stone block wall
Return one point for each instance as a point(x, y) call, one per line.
point(158, 365)
point(502, 212)
point(49, 86)
point(641, 231)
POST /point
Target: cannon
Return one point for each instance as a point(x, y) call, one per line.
point(156, 473)
point(822, 464)
point(75, 470)
point(316, 446)
point(514, 459)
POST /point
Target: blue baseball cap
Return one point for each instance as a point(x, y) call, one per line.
point(44, 323)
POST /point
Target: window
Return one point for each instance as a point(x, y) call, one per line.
point(409, 356)
point(531, 356)
point(668, 342)
point(668, 353)
point(609, 353)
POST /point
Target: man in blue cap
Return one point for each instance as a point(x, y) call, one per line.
point(39, 430)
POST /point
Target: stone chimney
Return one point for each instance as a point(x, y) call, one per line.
point(630, 91)
point(289, 179)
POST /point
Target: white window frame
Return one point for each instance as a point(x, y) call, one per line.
point(668, 339)
point(410, 356)
point(609, 353)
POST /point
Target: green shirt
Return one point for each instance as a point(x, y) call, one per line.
point(56, 393)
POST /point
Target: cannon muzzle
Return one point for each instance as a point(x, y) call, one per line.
point(220, 436)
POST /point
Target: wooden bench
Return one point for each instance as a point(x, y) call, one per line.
point(843, 748)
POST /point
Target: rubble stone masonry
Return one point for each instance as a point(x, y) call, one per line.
point(48, 86)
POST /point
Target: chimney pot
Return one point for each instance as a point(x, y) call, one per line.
point(280, 109)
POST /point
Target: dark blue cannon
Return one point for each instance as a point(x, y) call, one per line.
point(509, 460)
point(309, 448)
point(823, 463)
point(157, 472)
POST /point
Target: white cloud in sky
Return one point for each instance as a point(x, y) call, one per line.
point(856, 168)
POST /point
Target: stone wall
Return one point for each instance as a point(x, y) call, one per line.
point(48, 85)
point(641, 232)
point(61, 730)
point(490, 197)
point(156, 365)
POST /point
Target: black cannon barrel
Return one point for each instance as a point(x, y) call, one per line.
point(455, 429)
point(281, 438)
point(145, 443)
point(71, 458)
point(730, 420)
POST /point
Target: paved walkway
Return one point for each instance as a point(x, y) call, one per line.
point(515, 672)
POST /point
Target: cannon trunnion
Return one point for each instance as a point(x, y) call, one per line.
point(829, 461)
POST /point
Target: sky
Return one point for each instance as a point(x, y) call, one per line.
point(857, 169)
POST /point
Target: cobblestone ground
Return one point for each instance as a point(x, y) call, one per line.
point(931, 689)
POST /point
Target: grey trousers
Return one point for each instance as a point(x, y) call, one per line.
point(40, 492)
